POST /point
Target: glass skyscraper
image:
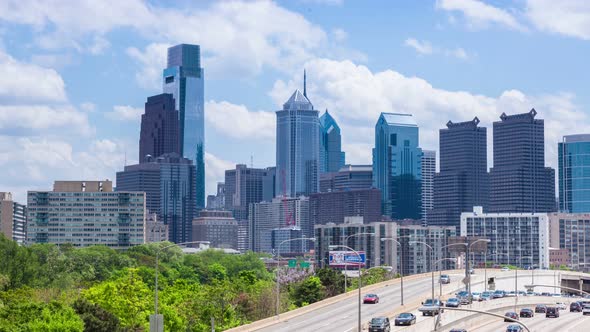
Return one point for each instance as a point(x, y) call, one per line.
point(183, 78)
point(298, 150)
point(159, 127)
point(397, 166)
point(331, 155)
point(574, 173)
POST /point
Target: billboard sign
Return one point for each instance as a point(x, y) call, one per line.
point(344, 258)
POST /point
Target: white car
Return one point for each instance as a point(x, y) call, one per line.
point(505, 269)
point(586, 310)
point(476, 296)
point(561, 305)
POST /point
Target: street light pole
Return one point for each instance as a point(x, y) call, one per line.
point(440, 273)
point(467, 259)
point(278, 268)
point(401, 263)
point(360, 279)
point(346, 264)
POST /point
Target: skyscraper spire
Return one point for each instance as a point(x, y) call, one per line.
point(304, 83)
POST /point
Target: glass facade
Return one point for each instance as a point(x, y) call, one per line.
point(298, 150)
point(184, 79)
point(331, 155)
point(397, 166)
point(574, 173)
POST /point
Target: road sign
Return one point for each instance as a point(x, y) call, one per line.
point(465, 280)
point(304, 264)
point(292, 263)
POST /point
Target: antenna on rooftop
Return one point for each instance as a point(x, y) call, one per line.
point(304, 83)
point(251, 160)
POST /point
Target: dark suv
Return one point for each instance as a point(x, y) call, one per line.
point(379, 324)
point(541, 309)
point(575, 307)
point(552, 312)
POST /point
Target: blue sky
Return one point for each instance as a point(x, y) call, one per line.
point(74, 75)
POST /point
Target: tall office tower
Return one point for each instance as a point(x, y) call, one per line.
point(397, 166)
point(217, 201)
point(169, 184)
point(574, 160)
point(428, 170)
point(462, 181)
point(279, 213)
point(244, 186)
point(159, 127)
point(184, 79)
point(349, 177)
point(86, 213)
point(331, 155)
point(13, 218)
point(519, 180)
point(298, 150)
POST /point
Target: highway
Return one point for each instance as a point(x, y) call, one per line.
point(343, 316)
point(341, 313)
point(567, 321)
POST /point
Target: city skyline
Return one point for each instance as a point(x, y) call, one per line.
point(93, 85)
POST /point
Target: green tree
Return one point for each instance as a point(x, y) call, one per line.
point(95, 318)
point(332, 280)
point(308, 291)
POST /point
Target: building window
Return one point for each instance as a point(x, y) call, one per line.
point(393, 139)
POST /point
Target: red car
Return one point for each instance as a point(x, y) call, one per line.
point(509, 315)
point(371, 298)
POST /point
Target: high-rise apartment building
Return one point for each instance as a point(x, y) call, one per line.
point(279, 213)
point(571, 232)
point(169, 184)
point(244, 186)
point(416, 258)
point(155, 229)
point(298, 147)
point(184, 79)
point(86, 213)
point(574, 163)
point(217, 201)
point(519, 180)
point(218, 227)
point(331, 155)
point(519, 239)
point(159, 127)
point(428, 171)
point(334, 207)
point(13, 218)
point(462, 181)
point(397, 166)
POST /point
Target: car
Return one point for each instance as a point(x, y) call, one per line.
point(561, 306)
point(552, 312)
point(431, 307)
point(510, 294)
point(485, 296)
point(471, 271)
point(541, 309)
point(499, 294)
point(405, 318)
point(476, 296)
point(509, 315)
point(371, 298)
point(505, 269)
point(545, 294)
point(464, 297)
point(445, 279)
point(379, 324)
point(586, 310)
point(575, 307)
point(458, 330)
point(514, 328)
point(453, 302)
point(526, 313)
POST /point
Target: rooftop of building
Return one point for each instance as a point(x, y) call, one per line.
point(399, 119)
point(578, 138)
point(298, 102)
point(83, 186)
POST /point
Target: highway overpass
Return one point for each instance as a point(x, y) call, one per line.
point(340, 313)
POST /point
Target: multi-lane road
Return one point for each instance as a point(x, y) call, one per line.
point(341, 314)
point(567, 321)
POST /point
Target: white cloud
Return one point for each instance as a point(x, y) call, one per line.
point(422, 47)
point(88, 107)
point(23, 82)
point(215, 168)
point(151, 60)
point(125, 113)
point(40, 117)
point(566, 17)
point(339, 34)
point(237, 122)
point(478, 14)
point(356, 96)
